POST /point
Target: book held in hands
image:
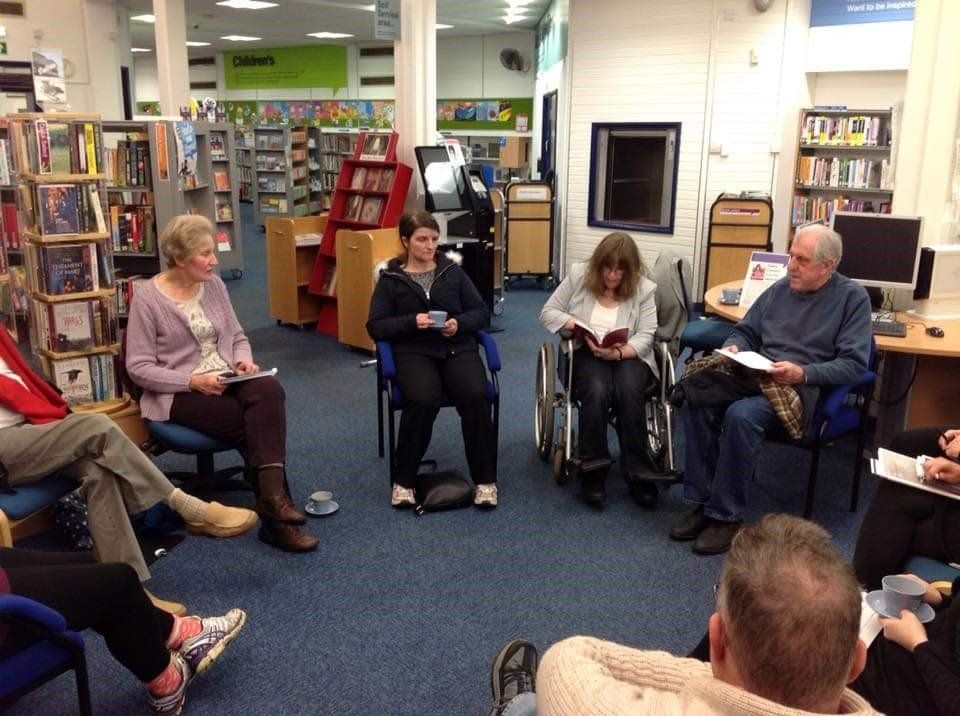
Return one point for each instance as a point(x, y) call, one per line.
point(228, 378)
point(614, 337)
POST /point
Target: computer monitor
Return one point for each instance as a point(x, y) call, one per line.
point(937, 296)
point(879, 250)
point(443, 183)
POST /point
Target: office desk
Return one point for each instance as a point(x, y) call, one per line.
point(934, 397)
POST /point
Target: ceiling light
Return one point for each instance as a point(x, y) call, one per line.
point(240, 38)
point(140, 49)
point(519, 3)
point(441, 26)
point(144, 18)
point(511, 18)
point(329, 35)
point(197, 43)
point(368, 8)
point(247, 4)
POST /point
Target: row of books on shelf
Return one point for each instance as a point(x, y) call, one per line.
point(817, 208)
point(271, 162)
point(331, 162)
point(62, 269)
point(363, 209)
point(372, 179)
point(270, 141)
point(62, 208)
point(298, 172)
point(221, 180)
point(6, 179)
point(14, 290)
point(850, 131)
point(133, 228)
point(10, 231)
point(273, 205)
point(218, 149)
point(337, 143)
point(126, 289)
point(843, 172)
point(271, 184)
point(298, 155)
point(74, 325)
point(128, 164)
point(87, 379)
point(298, 136)
point(42, 146)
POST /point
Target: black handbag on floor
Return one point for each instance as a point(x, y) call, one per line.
point(442, 490)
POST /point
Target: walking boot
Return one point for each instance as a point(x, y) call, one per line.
point(289, 538)
point(273, 498)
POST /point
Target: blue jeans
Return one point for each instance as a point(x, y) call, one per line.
point(722, 444)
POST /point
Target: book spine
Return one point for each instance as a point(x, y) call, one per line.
point(90, 147)
point(43, 147)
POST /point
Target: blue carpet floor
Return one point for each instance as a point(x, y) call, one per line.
point(402, 615)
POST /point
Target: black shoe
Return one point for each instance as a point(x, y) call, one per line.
point(716, 537)
point(514, 672)
point(645, 493)
point(593, 490)
point(690, 526)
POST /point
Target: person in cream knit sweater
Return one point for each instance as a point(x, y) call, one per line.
point(784, 639)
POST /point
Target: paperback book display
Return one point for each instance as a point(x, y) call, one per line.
point(56, 147)
point(133, 228)
point(75, 325)
point(86, 379)
point(60, 269)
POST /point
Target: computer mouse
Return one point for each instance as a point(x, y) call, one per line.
point(935, 331)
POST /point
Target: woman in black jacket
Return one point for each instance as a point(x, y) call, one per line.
point(433, 357)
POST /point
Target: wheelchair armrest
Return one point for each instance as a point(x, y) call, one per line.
point(490, 349)
point(14, 606)
point(833, 398)
point(388, 368)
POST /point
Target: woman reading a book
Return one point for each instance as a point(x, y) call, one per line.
point(434, 354)
point(902, 521)
point(610, 294)
point(182, 336)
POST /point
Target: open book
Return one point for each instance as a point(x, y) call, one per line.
point(613, 337)
point(227, 378)
point(909, 471)
point(748, 358)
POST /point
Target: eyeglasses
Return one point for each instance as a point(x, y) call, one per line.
point(716, 591)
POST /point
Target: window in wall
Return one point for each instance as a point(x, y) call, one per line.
point(633, 176)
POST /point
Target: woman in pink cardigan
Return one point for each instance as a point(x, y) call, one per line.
point(181, 337)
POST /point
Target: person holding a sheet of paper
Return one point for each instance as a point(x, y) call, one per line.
point(610, 290)
point(902, 521)
point(814, 325)
point(182, 335)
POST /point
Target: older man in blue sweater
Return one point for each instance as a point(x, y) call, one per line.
point(814, 324)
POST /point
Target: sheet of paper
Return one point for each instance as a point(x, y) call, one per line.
point(909, 471)
point(748, 358)
point(870, 626)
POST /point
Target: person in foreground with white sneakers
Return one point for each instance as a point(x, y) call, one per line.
point(164, 651)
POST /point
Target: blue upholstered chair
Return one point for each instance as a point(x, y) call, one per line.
point(841, 410)
point(23, 508)
point(389, 395)
point(931, 570)
point(57, 650)
point(167, 435)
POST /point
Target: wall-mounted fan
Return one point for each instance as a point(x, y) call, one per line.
point(513, 60)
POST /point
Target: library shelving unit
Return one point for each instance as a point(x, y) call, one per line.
point(370, 193)
point(243, 150)
point(292, 246)
point(283, 181)
point(61, 200)
point(319, 201)
point(197, 192)
point(13, 292)
point(843, 163)
point(336, 145)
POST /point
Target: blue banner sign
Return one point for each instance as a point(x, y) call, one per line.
point(856, 12)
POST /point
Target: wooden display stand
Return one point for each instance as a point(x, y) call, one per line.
point(739, 225)
point(371, 190)
point(289, 267)
point(529, 229)
point(358, 253)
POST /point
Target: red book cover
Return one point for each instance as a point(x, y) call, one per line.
point(613, 337)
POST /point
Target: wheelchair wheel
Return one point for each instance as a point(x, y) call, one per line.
point(543, 411)
point(656, 447)
point(559, 466)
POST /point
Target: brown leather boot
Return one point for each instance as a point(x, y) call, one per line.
point(273, 500)
point(289, 538)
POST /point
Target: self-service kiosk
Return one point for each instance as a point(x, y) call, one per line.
point(460, 194)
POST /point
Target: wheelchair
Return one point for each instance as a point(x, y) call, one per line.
point(553, 424)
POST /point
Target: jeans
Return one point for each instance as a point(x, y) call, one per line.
point(722, 445)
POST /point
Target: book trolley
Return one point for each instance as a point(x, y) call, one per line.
point(370, 193)
point(739, 225)
point(63, 217)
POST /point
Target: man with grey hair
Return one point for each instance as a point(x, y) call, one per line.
point(814, 324)
point(784, 639)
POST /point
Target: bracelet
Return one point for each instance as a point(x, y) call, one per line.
point(619, 353)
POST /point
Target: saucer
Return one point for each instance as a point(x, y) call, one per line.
point(875, 599)
point(322, 509)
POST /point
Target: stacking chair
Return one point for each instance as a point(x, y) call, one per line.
point(56, 650)
point(841, 410)
point(23, 508)
point(389, 396)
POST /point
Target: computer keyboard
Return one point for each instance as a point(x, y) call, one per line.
point(883, 326)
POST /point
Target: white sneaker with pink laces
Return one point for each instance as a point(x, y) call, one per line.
point(485, 496)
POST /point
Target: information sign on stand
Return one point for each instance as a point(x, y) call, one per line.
point(763, 270)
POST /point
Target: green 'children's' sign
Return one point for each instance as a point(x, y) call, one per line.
point(286, 68)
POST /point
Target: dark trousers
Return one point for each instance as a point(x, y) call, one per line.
point(251, 414)
point(602, 385)
point(423, 380)
point(902, 521)
point(105, 597)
